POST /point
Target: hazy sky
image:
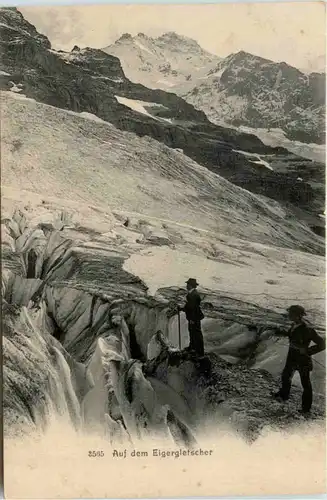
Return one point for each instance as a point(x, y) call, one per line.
point(291, 32)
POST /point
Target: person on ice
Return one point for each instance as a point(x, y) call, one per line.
point(300, 335)
point(194, 315)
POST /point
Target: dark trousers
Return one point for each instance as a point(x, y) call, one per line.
point(287, 377)
point(196, 337)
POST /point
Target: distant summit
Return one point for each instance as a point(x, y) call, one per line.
point(124, 38)
point(241, 89)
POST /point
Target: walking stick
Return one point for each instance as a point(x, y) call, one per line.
point(179, 331)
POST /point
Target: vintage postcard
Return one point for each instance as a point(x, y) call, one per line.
point(163, 250)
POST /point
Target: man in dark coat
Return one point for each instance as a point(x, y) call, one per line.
point(194, 315)
point(299, 355)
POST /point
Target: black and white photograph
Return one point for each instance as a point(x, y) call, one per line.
point(163, 249)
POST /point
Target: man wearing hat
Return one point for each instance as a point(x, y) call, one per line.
point(194, 315)
point(299, 355)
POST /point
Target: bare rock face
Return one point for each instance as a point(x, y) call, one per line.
point(105, 388)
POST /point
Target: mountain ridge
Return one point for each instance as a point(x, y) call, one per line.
point(296, 99)
point(89, 80)
point(164, 61)
point(113, 194)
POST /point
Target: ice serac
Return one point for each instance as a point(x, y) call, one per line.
point(42, 382)
point(244, 89)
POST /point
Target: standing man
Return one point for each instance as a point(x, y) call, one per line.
point(299, 356)
point(194, 315)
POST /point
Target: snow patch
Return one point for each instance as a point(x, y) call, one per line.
point(134, 105)
point(115, 80)
point(163, 267)
point(67, 57)
point(262, 162)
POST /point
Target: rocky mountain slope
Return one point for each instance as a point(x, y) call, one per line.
point(91, 81)
point(241, 89)
point(83, 352)
point(244, 89)
point(104, 217)
point(165, 62)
